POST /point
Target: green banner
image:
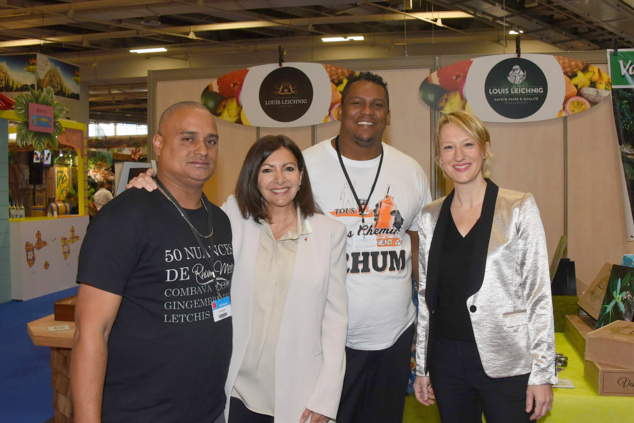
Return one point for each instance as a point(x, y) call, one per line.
point(621, 68)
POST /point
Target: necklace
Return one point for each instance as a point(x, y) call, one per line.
point(183, 214)
point(195, 232)
point(354, 192)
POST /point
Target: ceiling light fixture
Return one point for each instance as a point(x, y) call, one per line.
point(515, 32)
point(338, 39)
point(148, 50)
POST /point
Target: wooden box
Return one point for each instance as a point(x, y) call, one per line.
point(65, 309)
point(576, 328)
point(609, 380)
point(612, 344)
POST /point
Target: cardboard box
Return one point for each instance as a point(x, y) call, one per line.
point(65, 309)
point(592, 298)
point(612, 344)
point(576, 329)
point(609, 380)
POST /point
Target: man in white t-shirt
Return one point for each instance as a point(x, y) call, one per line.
point(377, 192)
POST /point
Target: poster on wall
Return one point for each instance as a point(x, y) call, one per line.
point(62, 182)
point(291, 95)
point(17, 72)
point(621, 69)
point(21, 72)
point(507, 88)
point(62, 77)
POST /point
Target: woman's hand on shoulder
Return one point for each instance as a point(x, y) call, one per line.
point(423, 390)
point(143, 181)
point(541, 396)
point(314, 417)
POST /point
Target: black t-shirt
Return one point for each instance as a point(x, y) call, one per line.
point(167, 357)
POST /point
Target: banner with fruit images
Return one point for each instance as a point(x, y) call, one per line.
point(291, 95)
point(507, 88)
point(621, 69)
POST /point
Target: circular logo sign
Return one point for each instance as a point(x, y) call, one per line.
point(516, 88)
point(286, 94)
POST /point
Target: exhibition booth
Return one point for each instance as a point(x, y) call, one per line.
point(47, 216)
point(566, 152)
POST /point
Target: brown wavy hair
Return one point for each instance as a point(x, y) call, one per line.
point(249, 198)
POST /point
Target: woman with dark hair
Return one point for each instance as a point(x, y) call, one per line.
point(485, 327)
point(288, 294)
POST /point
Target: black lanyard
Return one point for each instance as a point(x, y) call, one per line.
point(204, 252)
point(354, 193)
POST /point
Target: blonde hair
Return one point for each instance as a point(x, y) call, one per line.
point(473, 127)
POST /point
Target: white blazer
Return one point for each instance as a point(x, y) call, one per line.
point(511, 309)
point(310, 354)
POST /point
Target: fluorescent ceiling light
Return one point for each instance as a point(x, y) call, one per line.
point(337, 39)
point(514, 32)
point(149, 50)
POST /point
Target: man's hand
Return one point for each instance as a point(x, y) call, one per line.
point(143, 181)
point(314, 417)
point(542, 397)
point(423, 390)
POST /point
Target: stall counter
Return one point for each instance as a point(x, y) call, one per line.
point(57, 335)
point(44, 254)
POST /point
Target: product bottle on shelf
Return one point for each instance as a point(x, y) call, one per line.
point(12, 211)
point(22, 211)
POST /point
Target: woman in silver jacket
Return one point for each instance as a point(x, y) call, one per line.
point(485, 328)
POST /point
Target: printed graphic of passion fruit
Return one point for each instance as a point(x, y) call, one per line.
point(431, 93)
point(576, 104)
point(211, 100)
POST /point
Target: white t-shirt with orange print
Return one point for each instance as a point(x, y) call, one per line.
point(378, 250)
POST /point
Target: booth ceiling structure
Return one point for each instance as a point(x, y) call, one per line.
point(82, 31)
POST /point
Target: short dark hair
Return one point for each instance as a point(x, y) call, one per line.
point(369, 77)
point(248, 196)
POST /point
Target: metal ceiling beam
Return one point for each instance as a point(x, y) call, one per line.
point(185, 30)
point(118, 96)
point(386, 40)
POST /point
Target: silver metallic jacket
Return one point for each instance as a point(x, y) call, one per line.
point(511, 309)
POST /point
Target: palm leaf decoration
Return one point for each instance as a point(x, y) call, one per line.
point(39, 140)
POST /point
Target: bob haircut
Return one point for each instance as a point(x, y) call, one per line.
point(250, 201)
point(472, 126)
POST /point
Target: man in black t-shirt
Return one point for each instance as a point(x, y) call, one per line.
point(153, 316)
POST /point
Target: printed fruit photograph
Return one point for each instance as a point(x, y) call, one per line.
point(222, 97)
point(338, 79)
point(443, 90)
point(586, 85)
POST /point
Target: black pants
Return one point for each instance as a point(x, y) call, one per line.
point(238, 413)
point(463, 391)
point(375, 383)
